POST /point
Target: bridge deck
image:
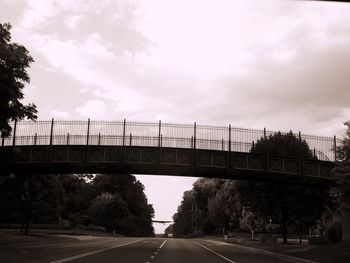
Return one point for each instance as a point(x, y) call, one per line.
point(156, 148)
point(160, 161)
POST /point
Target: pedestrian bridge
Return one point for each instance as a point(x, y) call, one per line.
point(157, 149)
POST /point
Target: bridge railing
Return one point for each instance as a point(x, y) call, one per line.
point(153, 134)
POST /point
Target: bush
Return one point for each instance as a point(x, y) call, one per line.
point(333, 232)
point(318, 240)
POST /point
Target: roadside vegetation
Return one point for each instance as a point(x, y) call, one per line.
point(111, 202)
point(226, 207)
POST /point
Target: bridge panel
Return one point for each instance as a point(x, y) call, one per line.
point(163, 161)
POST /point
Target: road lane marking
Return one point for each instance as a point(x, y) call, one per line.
point(266, 253)
point(87, 243)
point(92, 252)
point(163, 243)
point(223, 257)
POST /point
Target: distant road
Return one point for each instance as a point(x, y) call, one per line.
point(129, 250)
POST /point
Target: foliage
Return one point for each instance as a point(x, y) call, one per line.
point(287, 205)
point(250, 222)
point(184, 218)
point(14, 61)
point(279, 144)
point(115, 202)
point(211, 205)
point(126, 205)
point(341, 172)
point(224, 208)
point(30, 199)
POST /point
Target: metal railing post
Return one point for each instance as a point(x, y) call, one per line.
point(265, 158)
point(99, 139)
point(130, 141)
point(67, 151)
point(229, 138)
point(229, 149)
point(123, 143)
point(300, 158)
point(88, 132)
point(124, 124)
point(35, 138)
point(159, 145)
point(51, 141)
point(194, 135)
point(14, 133)
point(87, 141)
point(159, 133)
point(51, 131)
point(335, 148)
point(194, 147)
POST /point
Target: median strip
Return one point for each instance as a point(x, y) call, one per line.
point(212, 251)
point(92, 252)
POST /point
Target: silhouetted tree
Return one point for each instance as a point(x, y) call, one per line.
point(224, 207)
point(211, 206)
point(30, 199)
point(136, 212)
point(184, 217)
point(341, 172)
point(14, 61)
point(285, 204)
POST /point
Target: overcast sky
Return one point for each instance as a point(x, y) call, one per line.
point(283, 65)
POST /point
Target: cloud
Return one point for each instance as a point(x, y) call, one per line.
point(279, 64)
point(65, 20)
point(95, 109)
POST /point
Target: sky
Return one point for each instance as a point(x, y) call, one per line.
point(279, 64)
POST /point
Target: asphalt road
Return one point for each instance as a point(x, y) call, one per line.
point(130, 250)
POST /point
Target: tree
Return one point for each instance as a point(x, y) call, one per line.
point(342, 172)
point(288, 205)
point(224, 208)
point(204, 190)
point(111, 212)
point(127, 193)
point(14, 61)
point(78, 195)
point(251, 222)
point(30, 199)
point(184, 217)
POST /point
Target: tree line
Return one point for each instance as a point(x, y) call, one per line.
point(218, 206)
point(115, 202)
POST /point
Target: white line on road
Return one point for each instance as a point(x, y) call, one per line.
point(92, 252)
point(163, 244)
point(88, 243)
point(229, 260)
point(266, 253)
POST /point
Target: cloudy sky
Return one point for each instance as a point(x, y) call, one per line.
point(283, 65)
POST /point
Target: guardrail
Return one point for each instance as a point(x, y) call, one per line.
point(159, 134)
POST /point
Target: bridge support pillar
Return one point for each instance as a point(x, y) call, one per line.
point(345, 225)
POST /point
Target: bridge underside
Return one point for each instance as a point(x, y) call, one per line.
point(74, 159)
